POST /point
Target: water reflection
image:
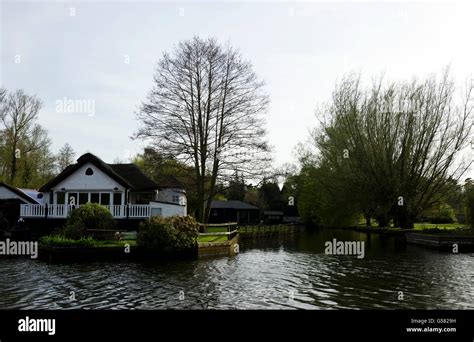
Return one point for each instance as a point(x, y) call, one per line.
point(273, 274)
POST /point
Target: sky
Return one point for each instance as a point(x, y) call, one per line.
point(103, 54)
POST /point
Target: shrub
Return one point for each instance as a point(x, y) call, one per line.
point(165, 235)
point(74, 230)
point(62, 241)
point(443, 214)
point(88, 216)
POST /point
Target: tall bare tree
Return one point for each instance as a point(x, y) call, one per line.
point(206, 109)
point(65, 157)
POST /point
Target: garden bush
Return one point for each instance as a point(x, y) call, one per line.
point(74, 230)
point(165, 235)
point(443, 214)
point(88, 216)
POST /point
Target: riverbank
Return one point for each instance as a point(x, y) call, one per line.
point(218, 248)
point(443, 242)
point(460, 239)
point(219, 244)
point(109, 253)
point(419, 228)
point(217, 241)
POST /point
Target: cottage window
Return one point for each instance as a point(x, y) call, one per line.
point(105, 198)
point(89, 172)
point(144, 197)
point(60, 197)
point(117, 198)
point(95, 197)
point(83, 198)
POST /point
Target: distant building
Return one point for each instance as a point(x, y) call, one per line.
point(233, 211)
point(273, 217)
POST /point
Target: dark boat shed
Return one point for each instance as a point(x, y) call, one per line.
point(233, 211)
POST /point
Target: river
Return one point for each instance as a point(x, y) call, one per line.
point(283, 273)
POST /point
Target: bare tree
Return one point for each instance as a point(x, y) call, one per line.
point(205, 109)
point(3, 96)
point(65, 157)
point(19, 114)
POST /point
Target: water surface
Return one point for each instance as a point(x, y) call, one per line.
point(267, 274)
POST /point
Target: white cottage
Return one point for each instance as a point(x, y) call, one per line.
point(123, 188)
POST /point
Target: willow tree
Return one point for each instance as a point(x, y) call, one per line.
point(394, 147)
point(206, 109)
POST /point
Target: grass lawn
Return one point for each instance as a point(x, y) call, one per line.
point(212, 238)
point(216, 229)
point(115, 243)
point(419, 225)
point(447, 226)
point(61, 241)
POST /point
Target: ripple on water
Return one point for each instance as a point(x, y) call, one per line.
point(270, 278)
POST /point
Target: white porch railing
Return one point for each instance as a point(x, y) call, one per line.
point(63, 210)
point(139, 210)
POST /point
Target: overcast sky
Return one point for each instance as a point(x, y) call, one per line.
point(105, 52)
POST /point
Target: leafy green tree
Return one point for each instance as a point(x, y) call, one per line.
point(236, 189)
point(270, 195)
point(320, 201)
point(25, 156)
